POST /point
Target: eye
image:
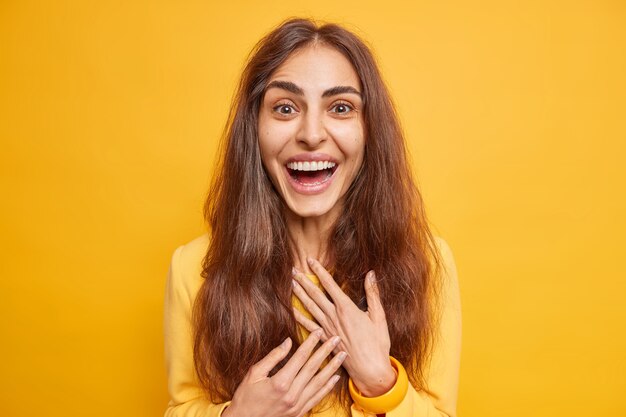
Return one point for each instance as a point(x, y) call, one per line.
point(284, 109)
point(342, 108)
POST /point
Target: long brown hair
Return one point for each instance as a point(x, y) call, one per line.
point(243, 308)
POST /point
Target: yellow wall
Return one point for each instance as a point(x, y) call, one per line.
point(109, 116)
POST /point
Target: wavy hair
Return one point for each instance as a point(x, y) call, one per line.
point(243, 308)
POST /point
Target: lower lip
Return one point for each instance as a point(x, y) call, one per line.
point(310, 189)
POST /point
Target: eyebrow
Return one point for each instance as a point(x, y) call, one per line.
point(293, 88)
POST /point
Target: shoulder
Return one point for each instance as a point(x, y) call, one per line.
point(448, 271)
point(445, 252)
point(186, 266)
point(193, 251)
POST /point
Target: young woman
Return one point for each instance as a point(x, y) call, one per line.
point(319, 289)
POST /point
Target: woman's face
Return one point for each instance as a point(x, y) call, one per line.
point(311, 130)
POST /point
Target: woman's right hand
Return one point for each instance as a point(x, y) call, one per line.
point(293, 390)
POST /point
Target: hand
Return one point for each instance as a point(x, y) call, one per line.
point(364, 335)
point(293, 390)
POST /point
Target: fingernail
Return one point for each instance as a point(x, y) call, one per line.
point(294, 271)
point(317, 332)
point(336, 340)
point(342, 356)
point(334, 379)
point(285, 344)
point(294, 283)
point(371, 276)
point(309, 260)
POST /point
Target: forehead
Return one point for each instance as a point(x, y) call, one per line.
point(317, 67)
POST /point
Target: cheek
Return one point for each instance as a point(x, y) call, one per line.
point(351, 141)
point(356, 153)
point(272, 138)
point(265, 144)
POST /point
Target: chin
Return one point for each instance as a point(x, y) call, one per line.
point(312, 209)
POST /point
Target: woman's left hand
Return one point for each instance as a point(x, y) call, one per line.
point(364, 334)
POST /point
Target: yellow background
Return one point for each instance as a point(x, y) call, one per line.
point(109, 119)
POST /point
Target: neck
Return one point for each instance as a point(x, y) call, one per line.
point(309, 237)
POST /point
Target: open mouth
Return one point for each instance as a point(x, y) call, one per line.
point(311, 173)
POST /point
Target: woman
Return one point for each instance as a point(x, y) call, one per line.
point(321, 289)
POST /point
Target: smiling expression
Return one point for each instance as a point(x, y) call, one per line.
point(311, 130)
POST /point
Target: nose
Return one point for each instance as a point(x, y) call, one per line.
point(312, 131)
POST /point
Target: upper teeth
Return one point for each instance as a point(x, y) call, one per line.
point(310, 166)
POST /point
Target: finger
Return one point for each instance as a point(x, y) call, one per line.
point(328, 282)
point(288, 372)
point(372, 293)
point(314, 292)
point(313, 365)
point(324, 379)
point(263, 367)
point(308, 324)
point(319, 394)
point(308, 303)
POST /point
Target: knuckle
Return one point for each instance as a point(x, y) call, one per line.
point(315, 335)
point(253, 369)
point(280, 386)
point(299, 357)
point(290, 401)
point(324, 322)
point(341, 309)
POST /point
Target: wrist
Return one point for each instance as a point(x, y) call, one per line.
point(381, 382)
point(387, 401)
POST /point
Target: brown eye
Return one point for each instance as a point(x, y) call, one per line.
point(342, 108)
point(284, 109)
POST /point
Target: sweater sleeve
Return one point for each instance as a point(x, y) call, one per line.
point(186, 397)
point(440, 397)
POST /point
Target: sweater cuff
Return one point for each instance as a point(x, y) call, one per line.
point(387, 401)
point(224, 406)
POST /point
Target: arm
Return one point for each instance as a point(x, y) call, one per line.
point(186, 397)
point(440, 398)
point(293, 390)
